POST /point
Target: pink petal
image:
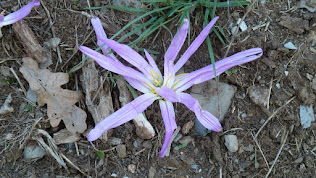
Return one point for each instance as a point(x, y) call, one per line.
point(123, 115)
point(207, 119)
point(177, 42)
point(167, 112)
point(19, 14)
point(207, 73)
point(195, 45)
point(130, 56)
point(153, 63)
point(116, 67)
point(99, 31)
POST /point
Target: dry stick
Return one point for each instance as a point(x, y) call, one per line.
point(2, 60)
point(273, 114)
point(18, 79)
point(277, 156)
point(256, 141)
point(270, 88)
point(53, 31)
point(73, 165)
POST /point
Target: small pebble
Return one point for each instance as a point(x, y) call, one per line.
point(243, 25)
point(121, 151)
point(187, 127)
point(278, 85)
point(186, 139)
point(262, 121)
point(290, 45)
point(243, 115)
point(114, 175)
point(249, 148)
point(231, 142)
point(178, 137)
point(33, 152)
point(131, 168)
point(147, 144)
point(151, 172)
point(115, 141)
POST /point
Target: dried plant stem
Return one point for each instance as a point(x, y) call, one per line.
point(272, 115)
point(277, 156)
point(256, 141)
point(18, 79)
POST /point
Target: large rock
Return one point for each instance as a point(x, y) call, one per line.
point(206, 94)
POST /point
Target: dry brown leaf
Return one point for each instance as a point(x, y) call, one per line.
point(60, 102)
point(98, 97)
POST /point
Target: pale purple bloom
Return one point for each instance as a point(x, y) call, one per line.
point(17, 15)
point(167, 88)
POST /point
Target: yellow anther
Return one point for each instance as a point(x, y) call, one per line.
point(150, 86)
point(159, 83)
point(168, 80)
point(181, 74)
point(153, 76)
point(175, 84)
point(156, 74)
point(2, 12)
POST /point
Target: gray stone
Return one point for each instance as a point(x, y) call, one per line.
point(31, 95)
point(259, 95)
point(33, 152)
point(206, 94)
point(307, 116)
point(121, 151)
point(151, 172)
point(231, 143)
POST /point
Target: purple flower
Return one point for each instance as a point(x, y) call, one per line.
point(18, 15)
point(166, 88)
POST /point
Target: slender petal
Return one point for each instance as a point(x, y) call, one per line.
point(111, 65)
point(195, 45)
point(153, 63)
point(167, 112)
point(169, 73)
point(19, 14)
point(1, 18)
point(207, 73)
point(130, 56)
point(177, 42)
point(140, 86)
point(123, 115)
point(99, 31)
point(207, 119)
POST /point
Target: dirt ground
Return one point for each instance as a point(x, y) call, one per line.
point(282, 148)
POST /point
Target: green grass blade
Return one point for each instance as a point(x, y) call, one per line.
point(225, 4)
point(210, 50)
point(138, 18)
point(127, 9)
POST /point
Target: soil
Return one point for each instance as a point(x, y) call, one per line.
point(288, 74)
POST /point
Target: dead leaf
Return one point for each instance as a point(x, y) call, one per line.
point(60, 102)
point(98, 97)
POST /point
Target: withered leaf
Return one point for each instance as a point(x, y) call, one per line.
point(60, 102)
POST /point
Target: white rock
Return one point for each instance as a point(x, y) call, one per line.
point(234, 29)
point(290, 45)
point(231, 143)
point(243, 26)
point(6, 108)
point(33, 152)
point(278, 85)
point(286, 73)
point(307, 115)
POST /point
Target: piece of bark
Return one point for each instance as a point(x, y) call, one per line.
point(31, 45)
point(143, 128)
point(100, 106)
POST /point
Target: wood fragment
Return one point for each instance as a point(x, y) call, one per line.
point(31, 45)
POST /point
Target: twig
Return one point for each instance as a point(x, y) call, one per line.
point(270, 88)
point(273, 114)
point(256, 141)
point(9, 59)
point(73, 165)
point(277, 156)
point(18, 79)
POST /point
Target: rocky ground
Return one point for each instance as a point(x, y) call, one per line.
point(266, 107)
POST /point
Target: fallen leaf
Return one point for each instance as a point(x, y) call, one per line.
point(60, 102)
